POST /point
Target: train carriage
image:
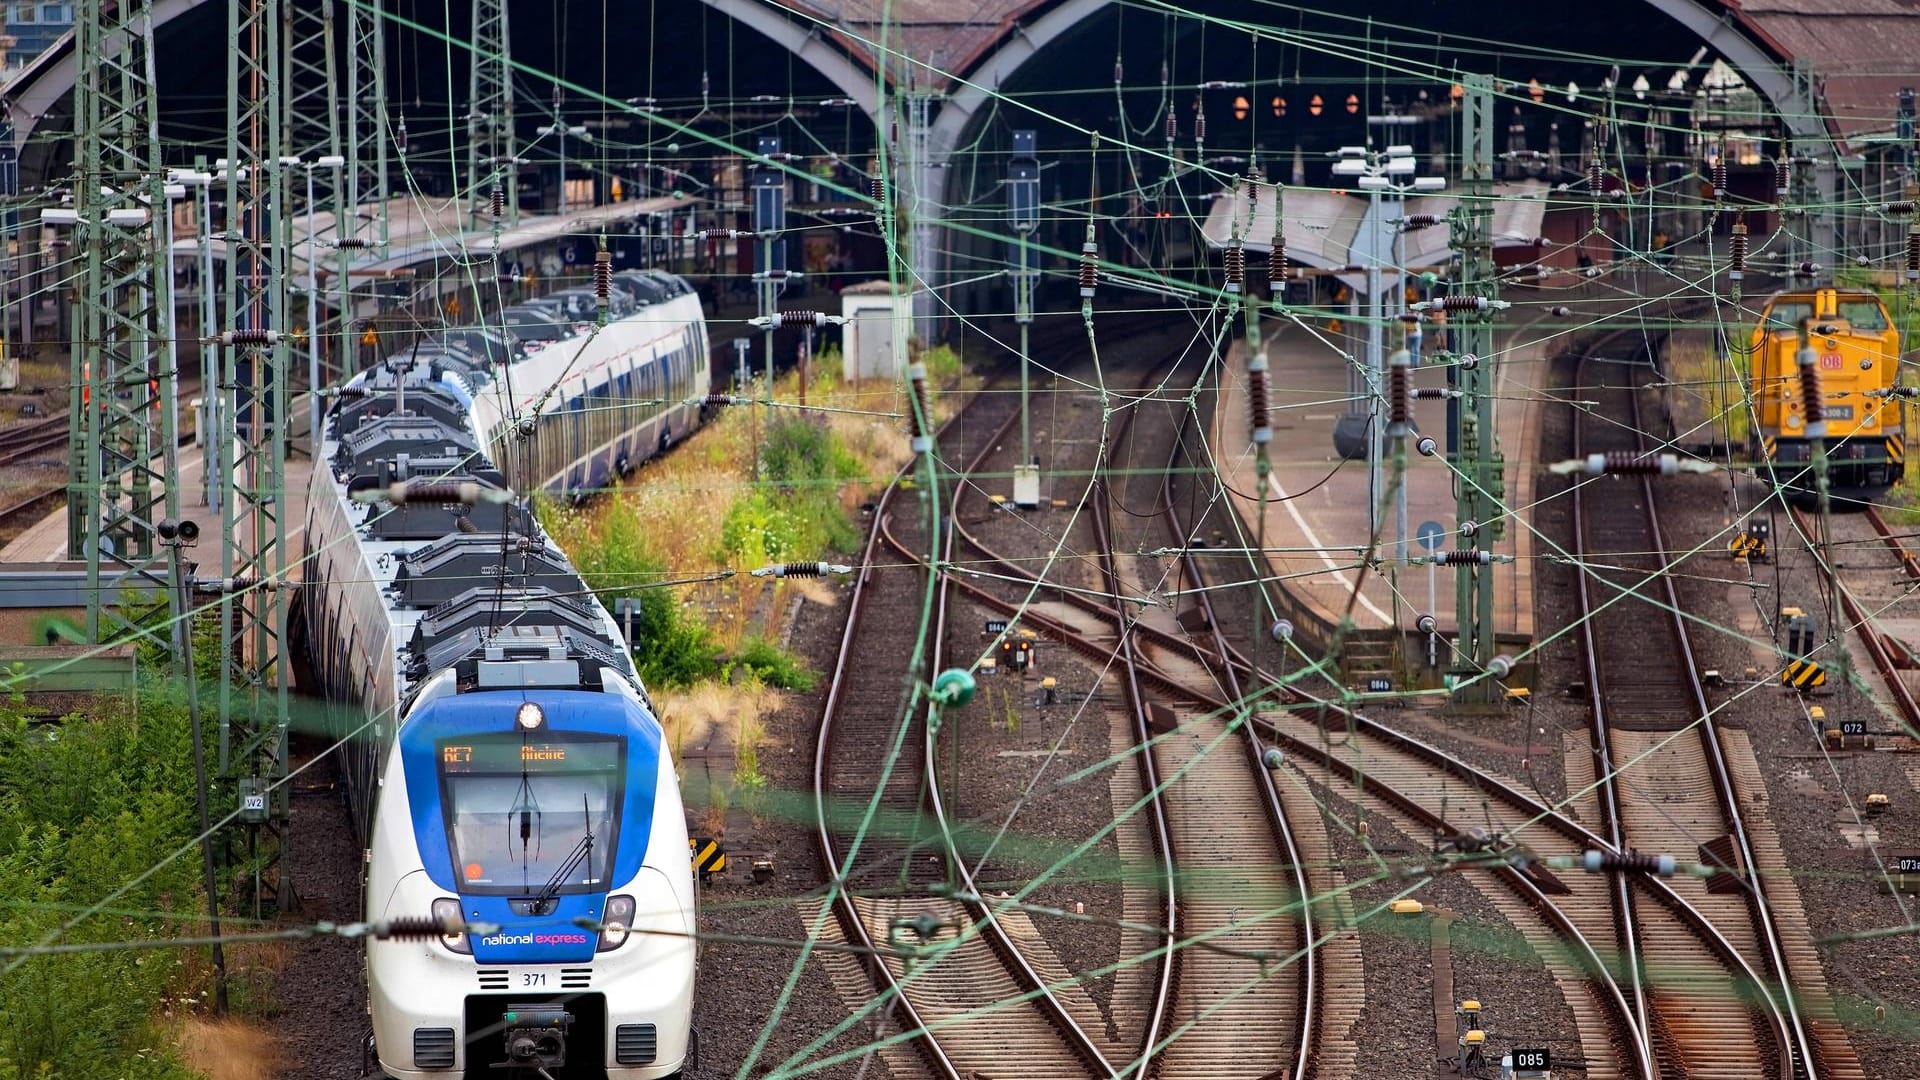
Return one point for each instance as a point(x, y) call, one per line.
point(504, 763)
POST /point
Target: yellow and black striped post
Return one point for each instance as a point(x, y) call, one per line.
point(709, 858)
point(1803, 675)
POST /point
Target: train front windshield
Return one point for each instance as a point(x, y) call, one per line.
point(520, 810)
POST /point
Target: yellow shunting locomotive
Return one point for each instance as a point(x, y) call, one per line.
point(1856, 351)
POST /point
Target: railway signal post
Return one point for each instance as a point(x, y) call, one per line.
point(1023, 203)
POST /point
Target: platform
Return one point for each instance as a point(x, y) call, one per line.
point(1317, 509)
point(46, 540)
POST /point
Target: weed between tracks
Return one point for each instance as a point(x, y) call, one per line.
point(710, 646)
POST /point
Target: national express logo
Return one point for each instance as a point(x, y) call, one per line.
point(534, 938)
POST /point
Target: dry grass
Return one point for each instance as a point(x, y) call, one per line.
point(737, 713)
point(228, 1049)
point(688, 493)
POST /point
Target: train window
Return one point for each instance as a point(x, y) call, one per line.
point(1865, 315)
point(1788, 315)
point(517, 809)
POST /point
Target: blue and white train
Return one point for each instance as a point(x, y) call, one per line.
point(505, 765)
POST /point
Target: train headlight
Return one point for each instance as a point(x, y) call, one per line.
point(446, 911)
point(617, 923)
point(531, 716)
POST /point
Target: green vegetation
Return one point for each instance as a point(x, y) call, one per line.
point(616, 559)
point(799, 516)
point(87, 806)
point(944, 366)
point(773, 666)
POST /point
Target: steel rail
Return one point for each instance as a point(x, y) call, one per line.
point(1150, 776)
point(851, 921)
point(1310, 975)
point(1785, 1020)
point(986, 915)
point(1908, 562)
point(1597, 733)
point(1863, 624)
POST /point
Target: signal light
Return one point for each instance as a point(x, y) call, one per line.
point(1018, 654)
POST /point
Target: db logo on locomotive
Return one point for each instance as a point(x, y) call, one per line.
point(1830, 361)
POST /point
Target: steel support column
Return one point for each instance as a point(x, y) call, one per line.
point(252, 443)
point(120, 421)
point(492, 147)
point(1477, 485)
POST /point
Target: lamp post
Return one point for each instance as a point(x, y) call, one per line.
point(208, 425)
point(561, 131)
point(1378, 172)
point(1023, 204)
point(336, 163)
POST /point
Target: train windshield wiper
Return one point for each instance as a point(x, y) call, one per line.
point(542, 902)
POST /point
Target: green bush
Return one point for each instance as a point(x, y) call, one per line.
point(670, 647)
point(799, 515)
point(944, 366)
point(774, 666)
point(757, 531)
point(801, 452)
point(88, 806)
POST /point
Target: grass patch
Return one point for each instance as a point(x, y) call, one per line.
point(87, 805)
point(773, 666)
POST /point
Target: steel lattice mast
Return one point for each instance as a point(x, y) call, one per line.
point(122, 413)
point(1481, 489)
point(252, 443)
point(311, 93)
point(366, 114)
point(365, 179)
point(492, 149)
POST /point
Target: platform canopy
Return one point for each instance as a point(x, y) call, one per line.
point(1323, 226)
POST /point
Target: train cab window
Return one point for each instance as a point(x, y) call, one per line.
point(1864, 315)
point(518, 808)
point(1788, 315)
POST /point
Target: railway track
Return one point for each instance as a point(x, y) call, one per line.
point(972, 1001)
point(1213, 1009)
point(1873, 571)
point(1719, 994)
point(1575, 924)
point(872, 768)
point(1422, 784)
point(1243, 879)
point(22, 441)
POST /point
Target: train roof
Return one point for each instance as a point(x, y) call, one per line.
point(472, 584)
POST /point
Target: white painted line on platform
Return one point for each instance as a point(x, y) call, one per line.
point(1313, 541)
